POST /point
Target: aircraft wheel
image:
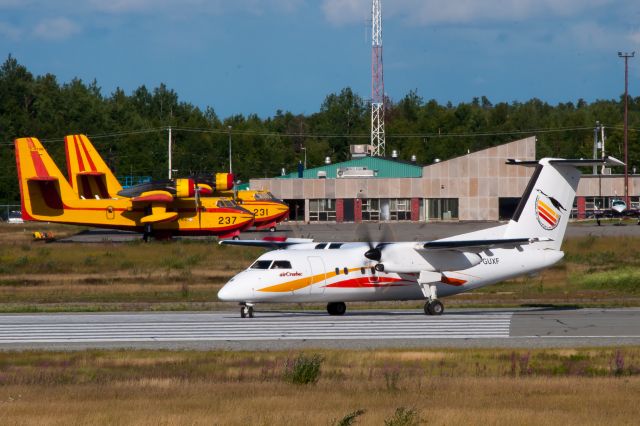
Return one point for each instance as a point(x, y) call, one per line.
point(272, 229)
point(235, 237)
point(435, 307)
point(336, 308)
point(246, 311)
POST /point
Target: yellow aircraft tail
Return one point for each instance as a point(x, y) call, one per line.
point(89, 175)
point(43, 188)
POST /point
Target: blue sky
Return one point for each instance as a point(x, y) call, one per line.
point(258, 56)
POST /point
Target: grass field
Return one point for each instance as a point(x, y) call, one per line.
point(186, 275)
point(585, 387)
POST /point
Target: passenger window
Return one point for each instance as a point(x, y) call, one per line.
point(346, 271)
point(362, 270)
point(261, 264)
point(281, 264)
point(373, 270)
point(337, 271)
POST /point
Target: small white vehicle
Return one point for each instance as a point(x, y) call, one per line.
point(15, 216)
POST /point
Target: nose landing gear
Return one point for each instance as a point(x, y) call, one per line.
point(246, 310)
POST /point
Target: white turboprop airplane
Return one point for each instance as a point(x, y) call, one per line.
point(335, 273)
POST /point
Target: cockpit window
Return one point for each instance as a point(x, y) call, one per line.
point(264, 196)
point(321, 246)
point(226, 203)
point(261, 264)
point(335, 245)
point(281, 264)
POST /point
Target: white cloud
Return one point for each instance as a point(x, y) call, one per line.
point(425, 12)
point(55, 29)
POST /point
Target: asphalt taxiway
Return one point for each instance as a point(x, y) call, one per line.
point(392, 231)
point(525, 328)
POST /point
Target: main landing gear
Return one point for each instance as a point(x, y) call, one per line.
point(433, 306)
point(246, 310)
point(336, 308)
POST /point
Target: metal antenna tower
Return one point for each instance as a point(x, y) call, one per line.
point(377, 81)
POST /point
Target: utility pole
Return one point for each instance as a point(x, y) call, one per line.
point(595, 146)
point(230, 166)
point(169, 152)
point(626, 57)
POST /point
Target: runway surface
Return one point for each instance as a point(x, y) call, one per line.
point(359, 329)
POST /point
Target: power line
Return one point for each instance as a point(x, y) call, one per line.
point(334, 136)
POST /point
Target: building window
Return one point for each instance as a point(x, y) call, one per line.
point(386, 209)
point(400, 209)
point(371, 209)
point(322, 210)
point(442, 209)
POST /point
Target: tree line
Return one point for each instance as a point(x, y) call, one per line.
point(130, 130)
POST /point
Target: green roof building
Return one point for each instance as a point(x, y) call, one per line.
point(378, 167)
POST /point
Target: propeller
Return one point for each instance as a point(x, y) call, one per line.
point(375, 250)
point(196, 193)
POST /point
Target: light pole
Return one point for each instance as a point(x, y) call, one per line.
point(626, 57)
point(230, 166)
point(305, 157)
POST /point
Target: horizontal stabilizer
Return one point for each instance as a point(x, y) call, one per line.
point(42, 179)
point(159, 217)
point(607, 161)
point(90, 174)
point(472, 245)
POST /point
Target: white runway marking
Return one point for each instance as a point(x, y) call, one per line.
point(229, 327)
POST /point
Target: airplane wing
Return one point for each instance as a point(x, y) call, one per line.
point(479, 245)
point(272, 243)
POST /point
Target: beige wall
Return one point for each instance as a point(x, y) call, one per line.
point(611, 185)
point(479, 178)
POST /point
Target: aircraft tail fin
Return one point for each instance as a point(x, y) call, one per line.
point(42, 185)
point(545, 207)
point(89, 175)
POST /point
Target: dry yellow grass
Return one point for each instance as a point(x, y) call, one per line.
point(443, 386)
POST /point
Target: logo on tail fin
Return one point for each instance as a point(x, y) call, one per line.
point(548, 211)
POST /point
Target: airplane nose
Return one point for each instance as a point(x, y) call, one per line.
point(227, 293)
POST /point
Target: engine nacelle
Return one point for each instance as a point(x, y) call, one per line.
point(185, 188)
point(224, 181)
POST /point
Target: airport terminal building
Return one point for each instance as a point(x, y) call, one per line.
point(476, 186)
